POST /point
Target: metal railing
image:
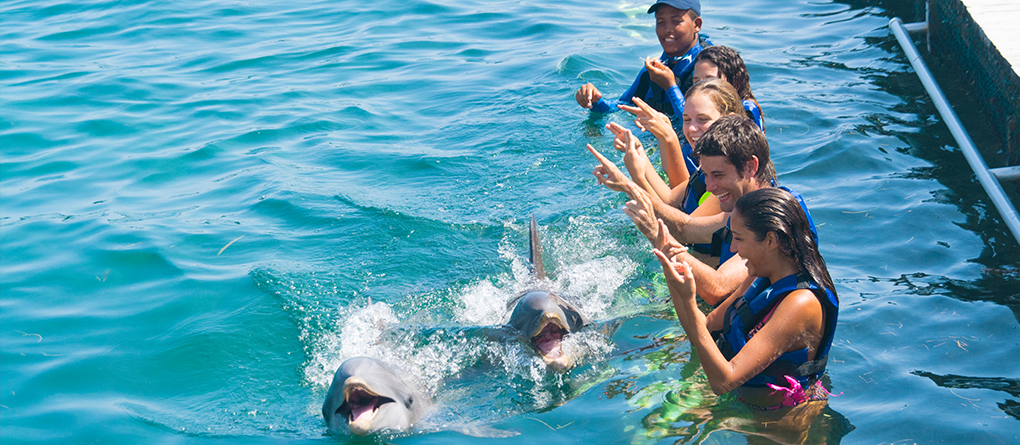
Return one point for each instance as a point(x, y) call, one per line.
point(989, 178)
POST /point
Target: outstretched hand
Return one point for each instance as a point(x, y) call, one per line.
point(634, 156)
point(667, 244)
point(679, 276)
point(641, 211)
point(621, 134)
point(649, 119)
point(587, 95)
point(661, 74)
point(608, 174)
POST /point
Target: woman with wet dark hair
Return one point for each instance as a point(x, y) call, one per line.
point(770, 339)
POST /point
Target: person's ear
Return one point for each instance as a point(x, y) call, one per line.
point(697, 24)
point(751, 167)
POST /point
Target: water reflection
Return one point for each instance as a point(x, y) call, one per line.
point(997, 285)
point(1008, 386)
point(684, 409)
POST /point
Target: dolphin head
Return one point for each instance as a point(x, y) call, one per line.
point(370, 398)
point(546, 319)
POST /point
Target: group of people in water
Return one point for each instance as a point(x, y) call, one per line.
point(721, 225)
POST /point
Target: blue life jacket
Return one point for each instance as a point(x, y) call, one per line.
point(695, 183)
point(695, 192)
point(754, 113)
point(666, 101)
point(669, 101)
point(752, 307)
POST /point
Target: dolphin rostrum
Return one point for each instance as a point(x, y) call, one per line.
point(543, 317)
point(370, 398)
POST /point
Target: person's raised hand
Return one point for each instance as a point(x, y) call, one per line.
point(679, 278)
point(619, 137)
point(667, 244)
point(661, 74)
point(641, 211)
point(607, 173)
point(649, 119)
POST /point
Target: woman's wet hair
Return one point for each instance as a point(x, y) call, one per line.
point(731, 66)
point(775, 210)
point(720, 92)
point(738, 139)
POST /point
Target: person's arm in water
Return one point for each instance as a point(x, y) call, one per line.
point(590, 97)
point(798, 313)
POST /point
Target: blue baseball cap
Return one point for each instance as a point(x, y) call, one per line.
point(694, 5)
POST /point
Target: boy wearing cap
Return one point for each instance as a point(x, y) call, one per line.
point(661, 82)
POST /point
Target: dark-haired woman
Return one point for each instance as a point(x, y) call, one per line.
point(769, 340)
point(723, 62)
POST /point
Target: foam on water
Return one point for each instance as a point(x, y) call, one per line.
point(469, 355)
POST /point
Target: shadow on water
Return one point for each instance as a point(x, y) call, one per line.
point(932, 142)
point(995, 286)
point(1008, 386)
point(918, 125)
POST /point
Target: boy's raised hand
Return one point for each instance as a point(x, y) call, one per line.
point(587, 95)
point(660, 73)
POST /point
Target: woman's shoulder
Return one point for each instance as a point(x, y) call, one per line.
point(803, 302)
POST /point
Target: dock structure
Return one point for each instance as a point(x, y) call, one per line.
point(976, 42)
point(979, 41)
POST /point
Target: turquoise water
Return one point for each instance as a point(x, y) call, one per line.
point(207, 206)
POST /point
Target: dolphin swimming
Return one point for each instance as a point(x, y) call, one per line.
point(369, 397)
point(543, 317)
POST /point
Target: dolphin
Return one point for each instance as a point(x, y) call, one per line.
point(543, 317)
point(369, 397)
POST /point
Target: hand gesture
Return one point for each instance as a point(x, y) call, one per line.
point(661, 74)
point(667, 244)
point(587, 95)
point(648, 119)
point(679, 276)
point(607, 173)
point(641, 211)
point(634, 156)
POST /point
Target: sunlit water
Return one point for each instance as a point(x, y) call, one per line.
point(205, 207)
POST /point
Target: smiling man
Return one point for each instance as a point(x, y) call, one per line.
point(735, 161)
point(661, 82)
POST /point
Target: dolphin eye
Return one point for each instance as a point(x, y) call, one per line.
point(410, 400)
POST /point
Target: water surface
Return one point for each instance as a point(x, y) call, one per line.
point(207, 206)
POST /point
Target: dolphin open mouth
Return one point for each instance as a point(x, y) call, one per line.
point(360, 403)
point(548, 342)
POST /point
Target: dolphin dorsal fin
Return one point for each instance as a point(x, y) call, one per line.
point(536, 251)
